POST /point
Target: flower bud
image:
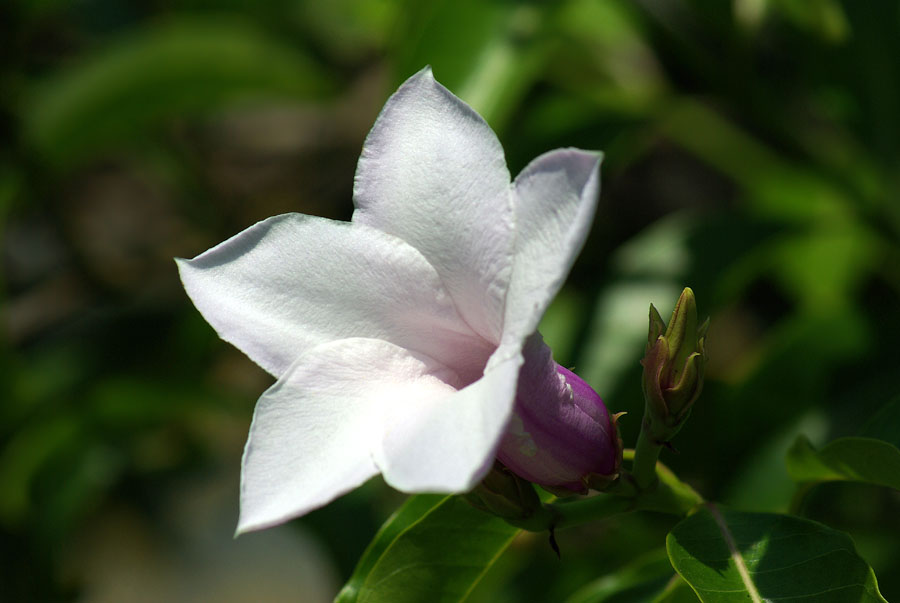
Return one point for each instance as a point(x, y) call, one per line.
point(674, 364)
point(560, 435)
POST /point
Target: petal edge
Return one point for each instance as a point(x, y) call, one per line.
point(555, 199)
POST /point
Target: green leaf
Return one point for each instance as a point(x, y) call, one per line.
point(864, 460)
point(763, 484)
point(26, 454)
point(824, 18)
point(488, 53)
point(434, 548)
point(677, 591)
point(184, 67)
point(885, 424)
point(412, 510)
point(640, 581)
point(734, 556)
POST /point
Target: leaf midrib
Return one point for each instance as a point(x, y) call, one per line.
point(736, 556)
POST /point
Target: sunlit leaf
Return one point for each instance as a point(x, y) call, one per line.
point(732, 556)
point(864, 460)
point(433, 549)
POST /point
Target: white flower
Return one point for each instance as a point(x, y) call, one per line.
point(396, 339)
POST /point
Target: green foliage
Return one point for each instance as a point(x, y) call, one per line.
point(864, 460)
point(488, 53)
point(176, 69)
point(751, 154)
point(885, 424)
point(732, 556)
point(647, 579)
point(434, 548)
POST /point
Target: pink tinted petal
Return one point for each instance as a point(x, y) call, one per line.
point(314, 431)
point(560, 431)
point(433, 173)
point(555, 197)
point(447, 443)
point(292, 282)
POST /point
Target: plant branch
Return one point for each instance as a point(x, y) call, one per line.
point(667, 494)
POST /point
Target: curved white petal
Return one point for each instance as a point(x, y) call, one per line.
point(292, 282)
point(555, 197)
point(433, 173)
point(447, 443)
point(314, 431)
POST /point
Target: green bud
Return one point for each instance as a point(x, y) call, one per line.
point(681, 336)
point(682, 395)
point(505, 494)
point(674, 364)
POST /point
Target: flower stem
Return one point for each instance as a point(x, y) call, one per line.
point(667, 494)
point(561, 514)
point(646, 453)
point(577, 512)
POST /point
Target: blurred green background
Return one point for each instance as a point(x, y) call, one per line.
point(752, 153)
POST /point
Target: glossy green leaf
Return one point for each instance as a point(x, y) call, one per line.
point(864, 460)
point(433, 549)
point(733, 556)
point(181, 68)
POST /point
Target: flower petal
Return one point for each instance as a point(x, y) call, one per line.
point(433, 173)
point(447, 443)
point(555, 197)
point(292, 282)
point(560, 432)
point(314, 430)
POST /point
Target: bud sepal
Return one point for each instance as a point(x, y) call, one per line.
point(505, 494)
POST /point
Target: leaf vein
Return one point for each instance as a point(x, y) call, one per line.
point(735, 554)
